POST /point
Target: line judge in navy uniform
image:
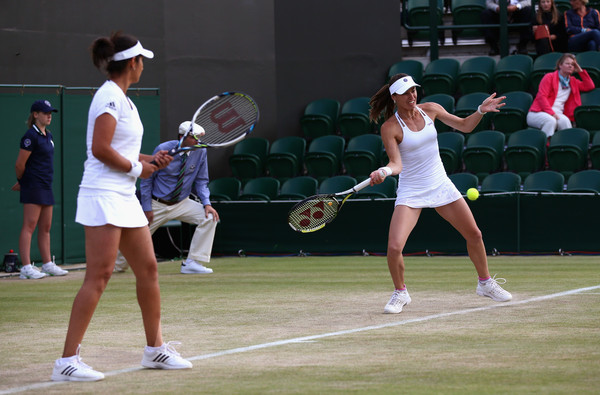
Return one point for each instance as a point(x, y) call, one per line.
point(35, 170)
point(165, 197)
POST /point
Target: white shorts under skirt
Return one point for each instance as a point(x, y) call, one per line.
point(99, 207)
point(441, 195)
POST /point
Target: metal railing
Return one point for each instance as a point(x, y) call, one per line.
point(434, 28)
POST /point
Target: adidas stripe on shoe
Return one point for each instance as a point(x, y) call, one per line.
point(75, 370)
point(165, 357)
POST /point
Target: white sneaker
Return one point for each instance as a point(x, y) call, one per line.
point(165, 357)
point(29, 272)
point(398, 300)
point(190, 266)
point(75, 370)
point(493, 290)
point(51, 269)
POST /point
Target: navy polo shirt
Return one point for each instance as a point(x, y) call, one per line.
point(39, 169)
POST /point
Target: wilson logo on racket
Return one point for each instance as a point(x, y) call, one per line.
point(226, 118)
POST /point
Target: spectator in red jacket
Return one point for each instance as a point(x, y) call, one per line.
point(558, 95)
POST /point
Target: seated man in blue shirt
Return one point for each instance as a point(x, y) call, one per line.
point(164, 200)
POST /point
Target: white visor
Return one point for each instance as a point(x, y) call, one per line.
point(132, 52)
point(197, 130)
point(402, 85)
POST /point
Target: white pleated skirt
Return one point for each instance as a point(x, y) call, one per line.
point(437, 196)
point(96, 207)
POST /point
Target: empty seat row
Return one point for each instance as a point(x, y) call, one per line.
point(484, 74)
point(525, 152)
point(297, 188)
point(585, 181)
point(301, 187)
point(288, 157)
point(326, 116)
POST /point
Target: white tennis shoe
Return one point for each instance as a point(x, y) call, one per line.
point(493, 290)
point(75, 370)
point(190, 266)
point(29, 272)
point(51, 269)
point(165, 357)
point(398, 300)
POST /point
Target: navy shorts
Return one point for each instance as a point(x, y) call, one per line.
point(40, 196)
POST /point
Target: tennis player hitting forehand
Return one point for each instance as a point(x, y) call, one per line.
point(410, 140)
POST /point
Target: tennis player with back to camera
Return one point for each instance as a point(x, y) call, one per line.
point(410, 140)
point(111, 213)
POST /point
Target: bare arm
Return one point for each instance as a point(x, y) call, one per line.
point(104, 131)
point(465, 125)
point(391, 135)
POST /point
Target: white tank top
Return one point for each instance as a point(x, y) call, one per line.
point(422, 167)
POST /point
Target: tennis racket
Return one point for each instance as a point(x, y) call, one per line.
point(314, 212)
point(226, 118)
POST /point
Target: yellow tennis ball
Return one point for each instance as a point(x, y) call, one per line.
point(472, 194)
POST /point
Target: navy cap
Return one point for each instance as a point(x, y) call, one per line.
point(42, 106)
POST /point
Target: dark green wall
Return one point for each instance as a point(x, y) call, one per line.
point(68, 129)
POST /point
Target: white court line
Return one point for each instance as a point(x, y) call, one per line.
point(325, 335)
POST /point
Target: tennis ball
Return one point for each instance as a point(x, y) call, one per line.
point(472, 194)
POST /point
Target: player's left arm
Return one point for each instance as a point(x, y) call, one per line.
point(465, 125)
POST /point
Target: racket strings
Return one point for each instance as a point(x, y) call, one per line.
point(313, 214)
point(227, 118)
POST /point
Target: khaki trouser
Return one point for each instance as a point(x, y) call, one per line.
point(189, 211)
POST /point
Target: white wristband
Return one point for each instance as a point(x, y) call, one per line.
point(385, 171)
point(136, 169)
point(479, 110)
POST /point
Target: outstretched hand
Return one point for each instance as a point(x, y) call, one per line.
point(492, 103)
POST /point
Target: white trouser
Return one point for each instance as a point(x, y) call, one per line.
point(189, 211)
point(547, 123)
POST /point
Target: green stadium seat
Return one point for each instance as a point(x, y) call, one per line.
point(440, 76)
point(464, 181)
point(224, 189)
point(501, 182)
point(483, 153)
point(419, 15)
point(412, 67)
point(354, 118)
point(525, 151)
point(451, 145)
point(248, 158)
point(466, 12)
point(286, 157)
point(543, 65)
point(595, 151)
point(544, 181)
point(261, 188)
point(445, 101)
point(336, 184)
point(363, 155)
point(587, 114)
point(513, 73)
point(513, 116)
point(584, 181)
point(475, 75)
point(568, 150)
point(298, 188)
point(320, 118)
point(590, 61)
point(467, 105)
point(324, 156)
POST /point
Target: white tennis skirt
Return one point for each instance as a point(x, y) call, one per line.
point(443, 194)
point(97, 207)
